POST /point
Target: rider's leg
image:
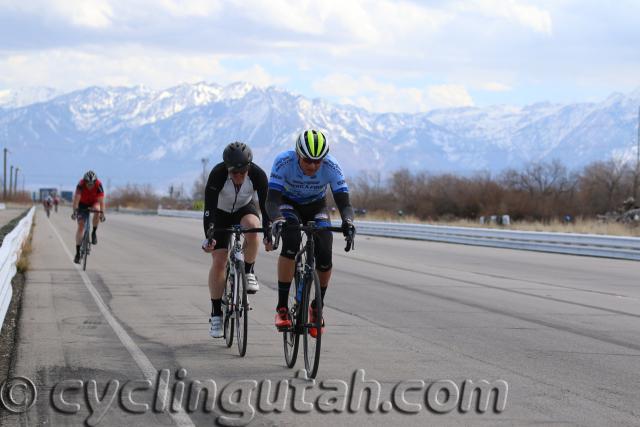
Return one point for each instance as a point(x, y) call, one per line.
point(216, 280)
point(79, 232)
point(286, 261)
point(251, 241)
point(323, 252)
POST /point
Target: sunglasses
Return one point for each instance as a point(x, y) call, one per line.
point(311, 162)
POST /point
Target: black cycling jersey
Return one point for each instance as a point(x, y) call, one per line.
point(222, 195)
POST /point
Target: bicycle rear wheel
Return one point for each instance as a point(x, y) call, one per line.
point(311, 344)
point(228, 314)
point(242, 312)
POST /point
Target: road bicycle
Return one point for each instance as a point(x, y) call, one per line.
point(307, 297)
point(85, 245)
point(235, 301)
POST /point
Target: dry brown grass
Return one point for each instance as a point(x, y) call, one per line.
point(581, 226)
point(23, 263)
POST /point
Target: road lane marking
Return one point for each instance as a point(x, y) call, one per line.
point(181, 418)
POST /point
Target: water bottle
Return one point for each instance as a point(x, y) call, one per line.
point(299, 289)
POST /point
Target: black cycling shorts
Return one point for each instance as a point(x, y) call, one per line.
point(296, 214)
point(225, 219)
point(83, 208)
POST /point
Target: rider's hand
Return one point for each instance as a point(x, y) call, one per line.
point(102, 217)
point(268, 243)
point(348, 228)
point(208, 245)
point(74, 215)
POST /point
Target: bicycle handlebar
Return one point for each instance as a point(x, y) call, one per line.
point(235, 229)
point(89, 210)
point(350, 238)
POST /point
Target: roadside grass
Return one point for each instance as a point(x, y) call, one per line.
point(23, 263)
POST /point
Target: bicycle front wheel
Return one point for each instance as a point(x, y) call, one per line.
point(85, 251)
point(228, 313)
point(312, 331)
point(291, 336)
point(242, 311)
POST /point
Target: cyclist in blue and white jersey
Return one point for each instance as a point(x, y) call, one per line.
point(297, 190)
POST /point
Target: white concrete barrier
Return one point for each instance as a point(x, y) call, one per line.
point(9, 255)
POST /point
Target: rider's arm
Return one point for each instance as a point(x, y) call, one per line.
point(339, 189)
point(276, 186)
point(76, 197)
point(215, 183)
point(260, 183)
point(274, 200)
point(100, 194)
point(344, 206)
point(101, 202)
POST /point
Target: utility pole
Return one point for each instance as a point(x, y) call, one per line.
point(635, 176)
point(10, 180)
point(4, 180)
point(15, 183)
point(204, 174)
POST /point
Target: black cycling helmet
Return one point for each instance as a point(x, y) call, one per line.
point(237, 155)
point(90, 177)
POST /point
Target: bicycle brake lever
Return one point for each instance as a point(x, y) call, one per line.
point(276, 241)
point(350, 243)
point(210, 232)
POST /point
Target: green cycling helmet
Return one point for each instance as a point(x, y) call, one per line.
point(312, 144)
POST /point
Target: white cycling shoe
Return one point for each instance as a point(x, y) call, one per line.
point(252, 283)
point(215, 327)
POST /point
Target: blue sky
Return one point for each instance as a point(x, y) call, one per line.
point(400, 56)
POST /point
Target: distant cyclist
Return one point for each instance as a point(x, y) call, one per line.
point(89, 195)
point(48, 203)
point(56, 202)
point(228, 201)
point(297, 189)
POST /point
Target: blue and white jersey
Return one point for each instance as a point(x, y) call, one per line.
point(287, 177)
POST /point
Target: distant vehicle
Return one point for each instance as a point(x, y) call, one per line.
point(360, 212)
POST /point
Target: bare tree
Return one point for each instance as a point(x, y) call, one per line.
point(603, 185)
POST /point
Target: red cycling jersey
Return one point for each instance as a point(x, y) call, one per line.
point(89, 196)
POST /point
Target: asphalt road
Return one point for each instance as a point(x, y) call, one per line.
point(562, 331)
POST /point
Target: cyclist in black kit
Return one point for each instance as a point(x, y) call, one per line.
point(228, 201)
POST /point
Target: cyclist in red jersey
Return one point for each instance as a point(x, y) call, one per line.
point(89, 194)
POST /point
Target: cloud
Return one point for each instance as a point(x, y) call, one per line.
point(95, 14)
point(499, 48)
point(449, 95)
point(495, 87)
point(123, 66)
point(257, 75)
point(515, 11)
point(384, 97)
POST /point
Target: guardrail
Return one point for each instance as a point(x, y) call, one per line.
point(9, 255)
point(566, 243)
point(180, 214)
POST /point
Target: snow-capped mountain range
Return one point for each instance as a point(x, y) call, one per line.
point(139, 135)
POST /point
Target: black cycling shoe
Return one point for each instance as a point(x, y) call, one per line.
point(94, 238)
point(77, 258)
